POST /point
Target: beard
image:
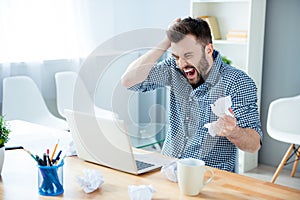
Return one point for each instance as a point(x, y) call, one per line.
point(201, 68)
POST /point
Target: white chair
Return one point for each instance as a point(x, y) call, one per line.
point(283, 125)
point(22, 100)
point(65, 84)
point(66, 81)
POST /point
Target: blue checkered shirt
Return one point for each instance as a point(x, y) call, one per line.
point(190, 109)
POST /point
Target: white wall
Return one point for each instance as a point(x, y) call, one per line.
point(102, 20)
point(133, 14)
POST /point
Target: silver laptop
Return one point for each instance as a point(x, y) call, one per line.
point(104, 140)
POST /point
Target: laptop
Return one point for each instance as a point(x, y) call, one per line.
point(105, 141)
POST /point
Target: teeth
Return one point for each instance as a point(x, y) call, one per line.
point(188, 70)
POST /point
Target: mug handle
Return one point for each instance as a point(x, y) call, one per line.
point(211, 176)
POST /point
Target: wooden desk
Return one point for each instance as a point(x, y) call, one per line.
point(19, 181)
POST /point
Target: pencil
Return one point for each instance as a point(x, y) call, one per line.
point(54, 150)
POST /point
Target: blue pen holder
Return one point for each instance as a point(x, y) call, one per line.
point(50, 180)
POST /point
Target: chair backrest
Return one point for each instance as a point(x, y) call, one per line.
point(65, 84)
point(23, 100)
point(284, 116)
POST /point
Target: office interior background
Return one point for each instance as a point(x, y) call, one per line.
point(39, 39)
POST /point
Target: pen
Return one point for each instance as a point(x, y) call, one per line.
point(54, 150)
point(49, 161)
point(57, 157)
point(45, 158)
point(13, 148)
point(63, 159)
point(40, 161)
point(30, 154)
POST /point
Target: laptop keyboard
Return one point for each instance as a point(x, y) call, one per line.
point(142, 165)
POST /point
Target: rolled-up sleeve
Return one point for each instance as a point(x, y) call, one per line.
point(159, 76)
point(244, 99)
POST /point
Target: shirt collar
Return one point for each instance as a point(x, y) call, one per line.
point(214, 73)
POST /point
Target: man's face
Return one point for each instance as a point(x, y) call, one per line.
point(191, 58)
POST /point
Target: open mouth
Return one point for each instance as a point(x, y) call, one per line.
point(189, 72)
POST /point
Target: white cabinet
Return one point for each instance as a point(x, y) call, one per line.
point(237, 15)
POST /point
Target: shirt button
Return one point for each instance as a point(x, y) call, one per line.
point(190, 99)
point(179, 155)
point(187, 118)
point(187, 137)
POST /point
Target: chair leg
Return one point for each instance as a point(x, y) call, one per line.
point(295, 163)
point(283, 161)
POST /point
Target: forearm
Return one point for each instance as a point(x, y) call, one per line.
point(245, 139)
point(139, 69)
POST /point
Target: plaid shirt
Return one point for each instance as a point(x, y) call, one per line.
point(190, 110)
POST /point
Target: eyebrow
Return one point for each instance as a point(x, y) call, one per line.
point(185, 55)
point(188, 54)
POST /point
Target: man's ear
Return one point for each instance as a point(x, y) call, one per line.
point(209, 49)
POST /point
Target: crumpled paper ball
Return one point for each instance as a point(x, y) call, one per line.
point(91, 180)
point(170, 171)
point(71, 150)
point(140, 192)
point(219, 108)
point(214, 128)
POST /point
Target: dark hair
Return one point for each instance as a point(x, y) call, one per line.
point(193, 26)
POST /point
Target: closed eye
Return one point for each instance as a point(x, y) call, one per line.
point(175, 56)
point(188, 55)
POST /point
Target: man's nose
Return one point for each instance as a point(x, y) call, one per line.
point(182, 63)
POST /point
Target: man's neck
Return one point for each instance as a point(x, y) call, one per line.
point(200, 82)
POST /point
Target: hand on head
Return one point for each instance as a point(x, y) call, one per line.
point(174, 22)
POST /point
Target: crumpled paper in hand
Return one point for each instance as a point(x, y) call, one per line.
point(140, 192)
point(170, 171)
point(91, 180)
point(219, 108)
